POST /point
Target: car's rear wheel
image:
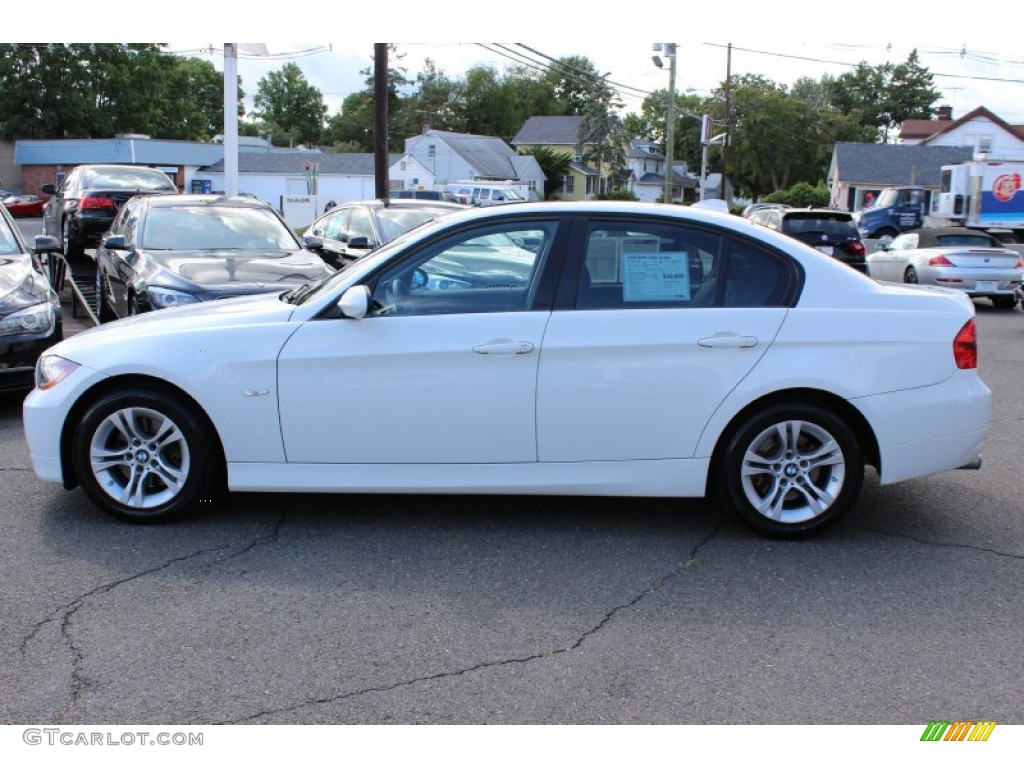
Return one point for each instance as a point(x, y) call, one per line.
point(1004, 302)
point(910, 276)
point(790, 470)
point(70, 245)
point(142, 455)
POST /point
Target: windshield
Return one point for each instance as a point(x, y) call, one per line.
point(8, 241)
point(128, 178)
point(886, 198)
point(211, 227)
point(396, 221)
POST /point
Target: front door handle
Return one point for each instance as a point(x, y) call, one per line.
point(504, 347)
point(728, 340)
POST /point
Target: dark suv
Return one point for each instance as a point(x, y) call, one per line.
point(84, 207)
point(831, 232)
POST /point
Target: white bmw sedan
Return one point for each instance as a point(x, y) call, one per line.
point(554, 348)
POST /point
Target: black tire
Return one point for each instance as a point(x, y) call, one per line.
point(72, 247)
point(142, 455)
point(768, 476)
point(1004, 302)
point(910, 276)
point(103, 310)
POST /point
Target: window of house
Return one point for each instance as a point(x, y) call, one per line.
point(568, 184)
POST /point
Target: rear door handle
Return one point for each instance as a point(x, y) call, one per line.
point(504, 348)
point(728, 340)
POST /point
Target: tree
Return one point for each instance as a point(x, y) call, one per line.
point(289, 105)
point(85, 90)
point(650, 124)
point(554, 165)
point(602, 134)
point(885, 95)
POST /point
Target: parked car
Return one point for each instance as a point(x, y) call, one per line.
point(606, 372)
point(966, 260)
point(829, 231)
point(84, 207)
point(422, 194)
point(762, 206)
point(351, 230)
point(169, 250)
point(24, 205)
point(30, 317)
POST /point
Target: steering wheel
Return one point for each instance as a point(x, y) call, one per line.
point(392, 296)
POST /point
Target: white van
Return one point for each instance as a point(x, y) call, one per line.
point(484, 194)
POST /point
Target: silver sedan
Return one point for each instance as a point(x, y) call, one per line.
point(952, 257)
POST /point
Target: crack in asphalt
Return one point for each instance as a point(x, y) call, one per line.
point(654, 587)
point(942, 544)
point(68, 610)
point(16, 469)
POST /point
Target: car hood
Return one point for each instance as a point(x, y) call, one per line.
point(232, 270)
point(204, 319)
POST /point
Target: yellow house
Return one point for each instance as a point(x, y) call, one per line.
point(561, 134)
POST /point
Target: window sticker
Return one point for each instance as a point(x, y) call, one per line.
point(655, 276)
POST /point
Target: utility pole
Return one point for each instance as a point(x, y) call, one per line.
point(728, 124)
point(380, 120)
point(670, 116)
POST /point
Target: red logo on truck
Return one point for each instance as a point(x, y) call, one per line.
point(1006, 186)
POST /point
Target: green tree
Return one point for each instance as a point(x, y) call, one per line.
point(650, 124)
point(289, 105)
point(553, 164)
point(602, 134)
point(885, 95)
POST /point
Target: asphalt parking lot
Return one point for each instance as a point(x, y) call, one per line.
point(412, 609)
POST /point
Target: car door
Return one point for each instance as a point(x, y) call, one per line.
point(443, 370)
point(117, 265)
point(653, 338)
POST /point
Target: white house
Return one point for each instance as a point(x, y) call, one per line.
point(980, 130)
point(451, 157)
point(646, 178)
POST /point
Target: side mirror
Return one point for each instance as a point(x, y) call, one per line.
point(360, 241)
point(48, 189)
point(115, 243)
point(313, 243)
point(46, 244)
point(355, 302)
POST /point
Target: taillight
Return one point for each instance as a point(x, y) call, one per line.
point(965, 346)
point(1020, 263)
point(939, 261)
point(856, 247)
point(96, 203)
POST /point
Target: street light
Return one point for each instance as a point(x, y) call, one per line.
point(670, 54)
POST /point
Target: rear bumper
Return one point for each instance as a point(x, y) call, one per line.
point(932, 429)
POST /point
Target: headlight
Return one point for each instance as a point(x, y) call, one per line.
point(51, 370)
point(37, 319)
point(161, 298)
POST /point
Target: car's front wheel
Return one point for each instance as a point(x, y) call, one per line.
point(790, 470)
point(141, 454)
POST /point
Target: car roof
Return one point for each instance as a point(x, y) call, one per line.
point(171, 200)
point(797, 213)
point(406, 202)
point(929, 236)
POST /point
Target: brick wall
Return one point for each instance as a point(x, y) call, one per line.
point(34, 176)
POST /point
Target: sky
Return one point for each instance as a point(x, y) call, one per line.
point(780, 40)
point(967, 75)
